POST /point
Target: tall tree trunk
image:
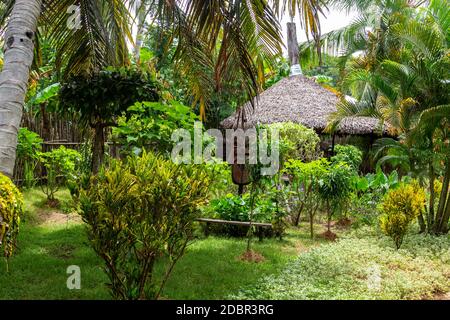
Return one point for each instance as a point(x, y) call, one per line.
point(141, 14)
point(422, 225)
point(430, 217)
point(18, 57)
point(441, 212)
point(328, 216)
point(420, 218)
point(98, 150)
point(293, 49)
point(444, 222)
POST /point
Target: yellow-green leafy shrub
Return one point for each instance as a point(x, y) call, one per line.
point(139, 212)
point(399, 208)
point(11, 202)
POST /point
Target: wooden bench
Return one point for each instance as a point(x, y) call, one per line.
point(258, 225)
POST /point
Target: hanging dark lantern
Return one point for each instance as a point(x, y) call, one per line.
point(240, 173)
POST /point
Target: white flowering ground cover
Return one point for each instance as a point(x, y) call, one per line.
point(362, 265)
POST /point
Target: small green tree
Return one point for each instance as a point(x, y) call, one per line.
point(399, 208)
point(136, 214)
point(335, 188)
point(60, 166)
point(305, 186)
point(101, 98)
point(149, 125)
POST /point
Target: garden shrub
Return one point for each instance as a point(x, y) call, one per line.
point(399, 208)
point(221, 179)
point(364, 209)
point(60, 166)
point(369, 190)
point(138, 212)
point(297, 142)
point(11, 203)
point(378, 184)
point(348, 154)
point(29, 144)
point(275, 201)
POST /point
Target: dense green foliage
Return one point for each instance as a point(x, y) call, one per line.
point(105, 95)
point(297, 141)
point(335, 188)
point(402, 79)
point(348, 154)
point(101, 98)
point(369, 190)
point(149, 125)
point(305, 185)
point(29, 144)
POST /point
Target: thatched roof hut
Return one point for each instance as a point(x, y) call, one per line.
point(299, 99)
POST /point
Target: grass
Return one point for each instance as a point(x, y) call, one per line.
point(209, 270)
point(294, 268)
point(45, 250)
point(362, 265)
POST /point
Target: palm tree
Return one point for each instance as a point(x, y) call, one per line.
point(434, 123)
point(409, 90)
point(18, 57)
point(98, 41)
point(369, 32)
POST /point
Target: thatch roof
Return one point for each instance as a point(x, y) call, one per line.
point(299, 99)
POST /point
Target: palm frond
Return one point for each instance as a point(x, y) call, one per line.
point(236, 37)
point(99, 40)
point(440, 13)
point(433, 118)
point(346, 108)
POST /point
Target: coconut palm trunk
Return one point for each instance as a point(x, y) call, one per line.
point(18, 57)
point(443, 212)
point(141, 14)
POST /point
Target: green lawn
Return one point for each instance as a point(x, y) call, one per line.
point(295, 268)
point(49, 243)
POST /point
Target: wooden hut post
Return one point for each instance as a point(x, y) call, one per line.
point(333, 144)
